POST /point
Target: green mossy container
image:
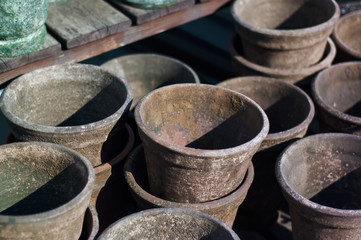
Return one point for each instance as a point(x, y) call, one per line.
point(149, 4)
point(22, 28)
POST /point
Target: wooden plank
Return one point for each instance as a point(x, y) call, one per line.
point(140, 16)
point(49, 48)
point(133, 34)
point(77, 22)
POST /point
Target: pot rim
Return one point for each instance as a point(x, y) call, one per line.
point(341, 44)
point(157, 211)
point(288, 132)
point(288, 33)
point(275, 72)
point(298, 198)
point(56, 212)
point(204, 153)
point(323, 104)
point(46, 129)
point(236, 194)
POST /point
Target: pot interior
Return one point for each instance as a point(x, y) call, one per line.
point(285, 106)
point(284, 14)
point(203, 117)
point(326, 169)
point(38, 178)
point(165, 224)
point(340, 88)
point(146, 72)
point(66, 96)
point(349, 31)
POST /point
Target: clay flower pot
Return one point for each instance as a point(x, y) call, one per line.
point(146, 72)
point(347, 36)
point(45, 191)
point(320, 178)
point(224, 208)
point(244, 67)
point(337, 95)
point(169, 223)
point(284, 34)
point(148, 4)
point(198, 140)
point(76, 105)
point(22, 26)
point(290, 111)
point(90, 225)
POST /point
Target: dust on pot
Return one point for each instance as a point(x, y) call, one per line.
point(22, 26)
point(76, 105)
point(320, 178)
point(148, 4)
point(244, 67)
point(224, 208)
point(347, 37)
point(45, 191)
point(290, 111)
point(169, 223)
point(337, 95)
point(198, 140)
point(284, 34)
point(146, 72)
point(90, 225)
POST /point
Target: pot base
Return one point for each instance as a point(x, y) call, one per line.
point(22, 46)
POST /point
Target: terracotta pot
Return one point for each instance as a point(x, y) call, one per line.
point(169, 223)
point(224, 208)
point(90, 224)
point(284, 34)
point(22, 26)
point(290, 111)
point(148, 4)
point(146, 72)
point(347, 37)
point(45, 191)
point(244, 67)
point(320, 178)
point(198, 140)
point(76, 105)
point(337, 95)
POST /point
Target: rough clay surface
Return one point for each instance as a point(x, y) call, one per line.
point(148, 4)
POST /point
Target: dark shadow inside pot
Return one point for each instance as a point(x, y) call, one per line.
point(34, 183)
point(286, 14)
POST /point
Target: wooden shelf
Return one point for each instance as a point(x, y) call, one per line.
point(81, 29)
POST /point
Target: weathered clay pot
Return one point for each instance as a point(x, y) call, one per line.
point(45, 191)
point(90, 224)
point(244, 67)
point(148, 4)
point(337, 95)
point(347, 37)
point(22, 28)
point(169, 223)
point(320, 178)
point(284, 34)
point(290, 111)
point(76, 105)
point(146, 72)
point(198, 140)
point(224, 208)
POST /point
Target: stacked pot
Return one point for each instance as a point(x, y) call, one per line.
point(285, 39)
point(198, 141)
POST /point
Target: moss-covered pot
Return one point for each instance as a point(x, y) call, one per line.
point(198, 140)
point(320, 178)
point(22, 28)
point(76, 105)
point(146, 72)
point(284, 34)
point(148, 4)
point(337, 95)
point(45, 190)
point(169, 223)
